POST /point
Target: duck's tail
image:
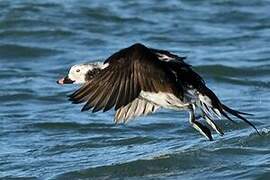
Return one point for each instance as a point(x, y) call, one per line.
point(211, 107)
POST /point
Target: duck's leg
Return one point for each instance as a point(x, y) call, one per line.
point(213, 124)
point(205, 131)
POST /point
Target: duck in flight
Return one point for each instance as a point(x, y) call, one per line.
point(138, 80)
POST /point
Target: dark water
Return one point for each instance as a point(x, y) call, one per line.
point(43, 136)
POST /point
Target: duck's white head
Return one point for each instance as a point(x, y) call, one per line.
point(81, 73)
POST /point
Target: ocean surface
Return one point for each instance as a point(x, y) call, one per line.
point(44, 136)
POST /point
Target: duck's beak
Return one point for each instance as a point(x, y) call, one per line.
point(65, 80)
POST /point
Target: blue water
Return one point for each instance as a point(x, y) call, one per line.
point(43, 136)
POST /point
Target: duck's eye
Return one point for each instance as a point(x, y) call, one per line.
point(78, 70)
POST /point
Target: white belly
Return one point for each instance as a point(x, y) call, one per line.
point(165, 100)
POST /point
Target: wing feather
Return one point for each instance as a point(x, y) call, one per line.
point(136, 108)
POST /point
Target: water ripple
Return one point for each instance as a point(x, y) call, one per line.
point(13, 51)
point(44, 136)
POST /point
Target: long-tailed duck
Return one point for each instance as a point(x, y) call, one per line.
point(139, 80)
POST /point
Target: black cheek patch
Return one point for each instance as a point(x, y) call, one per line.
point(91, 74)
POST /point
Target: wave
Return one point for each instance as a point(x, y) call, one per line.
point(14, 51)
point(248, 76)
point(180, 163)
point(104, 14)
point(221, 70)
point(70, 125)
point(36, 33)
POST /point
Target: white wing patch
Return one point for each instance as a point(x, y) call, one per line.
point(136, 108)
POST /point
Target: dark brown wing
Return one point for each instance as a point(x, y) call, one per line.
point(130, 71)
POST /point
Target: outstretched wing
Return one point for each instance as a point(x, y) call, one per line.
point(129, 72)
